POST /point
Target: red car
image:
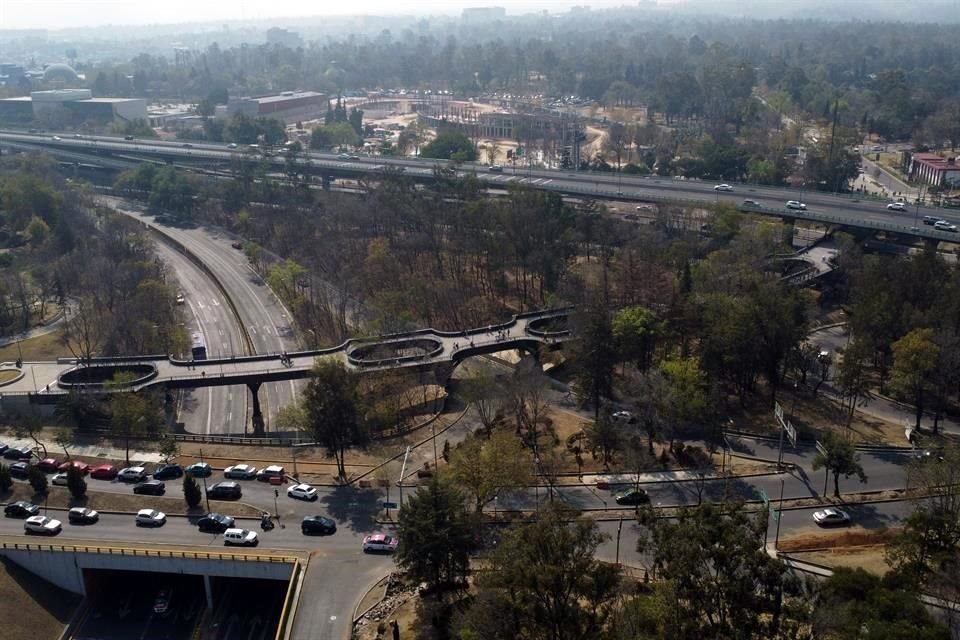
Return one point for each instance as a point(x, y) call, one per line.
point(79, 465)
point(48, 465)
point(104, 472)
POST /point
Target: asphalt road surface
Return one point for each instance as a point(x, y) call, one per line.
point(212, 410)
point(265, 318)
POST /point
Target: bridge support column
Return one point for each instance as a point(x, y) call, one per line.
point(788, 231)
point(325, 181)
point(257, 419)
point(209, 591)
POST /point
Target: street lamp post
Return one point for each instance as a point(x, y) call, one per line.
point(619, 529)
point(776, 539)
point(204, 480)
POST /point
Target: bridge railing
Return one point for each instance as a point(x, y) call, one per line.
point(144, 552)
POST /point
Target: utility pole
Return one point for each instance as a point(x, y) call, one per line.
point(403, 470)
point(204, 480)
point(776, 539)
point(619, 529)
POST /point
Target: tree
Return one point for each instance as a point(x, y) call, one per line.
point(168, 448)
point(487, 396)
point(851, 377)
point(37, 480)
point(719, 581)
point(435, 535)
point(191, 491)
point(914, 363)
point(838, 456)
point(449, 143)
point(545, 582)
point(603, 438)
point(854, 604)
point(64, 438)
point(75, 483)
point(330, 401)
point(6, 480)
point(686, 400)
point(85, 329)
point(132, 414)
point(594, 356)
point(636, 330)
point(485, 468)
point(492, 151)
point(31, 428)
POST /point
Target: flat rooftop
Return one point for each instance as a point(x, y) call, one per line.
point(281, 98)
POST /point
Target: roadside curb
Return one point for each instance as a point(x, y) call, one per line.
point(357, 614)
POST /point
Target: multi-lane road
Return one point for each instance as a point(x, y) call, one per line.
point(824, 207)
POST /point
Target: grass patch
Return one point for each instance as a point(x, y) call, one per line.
point(31, 607)
point(8, 375)
point(38, 349)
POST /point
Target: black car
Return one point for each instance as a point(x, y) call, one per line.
point(227, 490)
point(168, 472)
point(21, 509)
point(215, 522)
point(150, 488)
point(319, 525)
point(3, 448)
point(20, 470)
point(18, 453)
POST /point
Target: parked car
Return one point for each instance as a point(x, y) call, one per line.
point(3, 447)
point(49, 465)
point(831, 516)
point(150, 518)
point(796, 204)
point(240, 472)
point(622, 416)
point(20, 470)
point(82, 515)
point(632, 497)
point(21, 509)
point(240, 538)
point(318, 525)
point(168, 472)
point(897, 206)
point(79, 465)
point(18, 453)
point(273, 471)
point(723, 187)
point(302, 492)
point(59, 479)
point(379, 543)
point(104, 472)
point(199, 470)
point(161, 603)
point(132, 474)
point(227, 490)
point(150, 488)
point(943, 225)
point(42, 525)
point(214, 523)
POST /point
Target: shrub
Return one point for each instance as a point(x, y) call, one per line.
point(37, 480)
point(191, 491)
point(75, 483)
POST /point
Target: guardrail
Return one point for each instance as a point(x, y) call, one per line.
point(148, 553)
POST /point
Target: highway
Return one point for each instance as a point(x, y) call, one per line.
point(213, 410)
point(264, 316)
point(822, 207)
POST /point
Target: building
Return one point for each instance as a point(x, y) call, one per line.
point(476, 15)
point(11, 73)
point(284, 38)
point(71, 107)
point(176, 116)
point(289, 106)
point(934, 170)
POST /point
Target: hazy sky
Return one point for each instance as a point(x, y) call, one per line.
point(55, 14)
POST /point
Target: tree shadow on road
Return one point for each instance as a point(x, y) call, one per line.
point(356, 507)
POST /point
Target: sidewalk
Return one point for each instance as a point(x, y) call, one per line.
point(98, 450)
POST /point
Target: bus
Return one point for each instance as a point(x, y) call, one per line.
point(199, 349)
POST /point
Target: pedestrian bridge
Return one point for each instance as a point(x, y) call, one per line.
point(47, 381)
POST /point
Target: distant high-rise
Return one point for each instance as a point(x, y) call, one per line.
point(483, 14)
point(284, 38)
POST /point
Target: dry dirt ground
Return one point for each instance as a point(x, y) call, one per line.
point(31, 608)
point(849, 548)
point(45, 347)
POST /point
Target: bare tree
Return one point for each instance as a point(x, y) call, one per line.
point(84, 330)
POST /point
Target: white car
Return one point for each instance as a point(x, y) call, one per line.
point(240, 538)
point(151, 518)
point(943, 225)
point(232, 145)
point(132, 474)
point(831, 515)
point(240, 472)
point(59, 479)
point(796, 204)
point(302, 492)
point(897, 206)
point(723, 187)
point(379, 543)
point(180, 298)
point(42, 524)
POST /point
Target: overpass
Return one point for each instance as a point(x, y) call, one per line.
point(847, 210)
point(47, 382)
